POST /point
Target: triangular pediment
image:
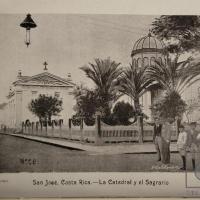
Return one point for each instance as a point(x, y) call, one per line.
point(45, 79)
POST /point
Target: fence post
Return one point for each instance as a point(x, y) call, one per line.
point(22, 127)
point(70, 128)
point(177, 124)
point(29, 128)
point(41, 126)
point(36, 128)
point(46, 126)
point(98, 139)
point(32, 125)
point(60, 123)
point(140, 128)
point(81, 128)
point(52, 128)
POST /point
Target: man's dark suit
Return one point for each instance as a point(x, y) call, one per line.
point(158, 139)
point(157, 130)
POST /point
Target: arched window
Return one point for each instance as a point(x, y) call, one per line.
point(141, 100)
point(160, 60)
point(146, 61)
point(165, 61)
point(134, 62)
point(152, 61)
point(139, 62)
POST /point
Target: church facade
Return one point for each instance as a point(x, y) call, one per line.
point(26, 88)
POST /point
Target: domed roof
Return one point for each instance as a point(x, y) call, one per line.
point(148, 44)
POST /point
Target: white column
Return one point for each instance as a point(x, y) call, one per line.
point(148, 104)
point(18, 109)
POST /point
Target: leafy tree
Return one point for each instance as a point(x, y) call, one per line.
point(45, 107)
point(104, 74)
point(180, 33)
point(76, 120)
point(169, 106)
point(134, 83)
point(86, 103)
point(122, 112)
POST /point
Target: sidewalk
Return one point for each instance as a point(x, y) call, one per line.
point(109, 149)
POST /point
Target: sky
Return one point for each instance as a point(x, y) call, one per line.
point(66, 42)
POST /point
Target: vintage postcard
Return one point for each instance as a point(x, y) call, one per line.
point(99, 102)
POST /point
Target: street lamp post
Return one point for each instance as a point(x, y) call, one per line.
point(28, 23)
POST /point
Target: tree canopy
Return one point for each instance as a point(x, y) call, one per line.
point(174, 78)
point(134, 83)
point(180, 33)
point(45, 106)
point(104, 73)
point(86, 104)
point(169, 106)
point(173, 75)
point(122, 113)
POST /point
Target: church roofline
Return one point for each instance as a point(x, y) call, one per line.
point(49, 85)
point(11, 94)
point(25, 79)
point(21, 78)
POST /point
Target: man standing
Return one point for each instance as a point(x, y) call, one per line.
point(193, 142)
point(166, 139)
point(181, 145)
point(157, 139)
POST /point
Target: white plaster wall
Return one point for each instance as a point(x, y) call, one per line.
point(9, 112)
point(3, 116)
point(190, 96)
point(147, 104)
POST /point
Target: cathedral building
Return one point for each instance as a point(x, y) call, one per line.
point(145, 51)
point(26, 88)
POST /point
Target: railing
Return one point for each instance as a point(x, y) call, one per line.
point(62, 132)
point(92, 134)
point(129, 134)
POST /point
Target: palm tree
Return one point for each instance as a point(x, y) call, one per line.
point(104, 74)
point(174, 76)
point(135, 83)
